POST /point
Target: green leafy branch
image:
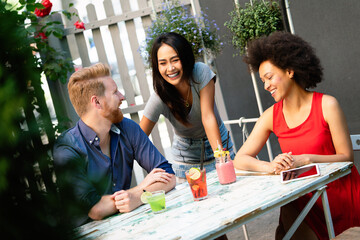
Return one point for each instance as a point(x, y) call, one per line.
point(253, 21)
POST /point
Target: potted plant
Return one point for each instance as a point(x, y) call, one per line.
point(255, 19)
point(199, 31)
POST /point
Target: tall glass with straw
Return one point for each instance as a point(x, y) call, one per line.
point(196, 178)
point(224, 165)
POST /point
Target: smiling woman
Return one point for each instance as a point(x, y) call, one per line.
point(310, 127)
point(184, 94)
point(170, 67)
point(274, 79)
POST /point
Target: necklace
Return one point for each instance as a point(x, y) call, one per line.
point(186, 101)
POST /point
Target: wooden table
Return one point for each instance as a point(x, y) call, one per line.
point(227, 207)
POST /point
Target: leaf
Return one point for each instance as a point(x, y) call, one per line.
point(31, 29)
point(58, 34)
point(30, 8)
point(250, 22)
point(67, 14)
point(39, 6)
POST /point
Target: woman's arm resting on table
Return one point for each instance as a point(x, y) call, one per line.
point(245, 158)
point(340, 135)
point(147, 125)
point(208, 116)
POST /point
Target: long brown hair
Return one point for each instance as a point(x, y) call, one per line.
point(167, 92)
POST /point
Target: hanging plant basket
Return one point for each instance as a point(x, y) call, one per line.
point(253, 21)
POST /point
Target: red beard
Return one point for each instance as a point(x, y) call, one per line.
point(113, 115)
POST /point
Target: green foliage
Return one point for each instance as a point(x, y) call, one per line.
point(28, 194)
point(253, 21)
point(197, 30)
point(53, 62)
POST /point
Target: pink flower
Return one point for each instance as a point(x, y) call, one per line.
point(79, 25)
point(45, 11)
point(42, 35)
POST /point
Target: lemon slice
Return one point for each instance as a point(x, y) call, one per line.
point(217, 153)
point(144, 196)
point(194, 173)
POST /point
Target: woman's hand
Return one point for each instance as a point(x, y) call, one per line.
point(156, 175)
point(283, 161)
point(301, 160)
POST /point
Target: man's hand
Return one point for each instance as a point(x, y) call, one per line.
point(156, 175)
point(126, 201)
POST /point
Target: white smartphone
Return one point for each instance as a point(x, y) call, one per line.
point(308, 171)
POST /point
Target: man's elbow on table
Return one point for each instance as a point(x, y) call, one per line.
point(95, 214)
point(105, 207)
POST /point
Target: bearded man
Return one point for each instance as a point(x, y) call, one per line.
point(101, 149)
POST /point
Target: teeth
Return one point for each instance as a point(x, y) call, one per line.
point(273, 91)
point(174, 75)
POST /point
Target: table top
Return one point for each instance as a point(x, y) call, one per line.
point(227, 207)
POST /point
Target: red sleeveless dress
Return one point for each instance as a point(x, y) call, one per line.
point(313, 137)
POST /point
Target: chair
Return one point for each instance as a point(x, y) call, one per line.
point(242, 124)
point(354, 232)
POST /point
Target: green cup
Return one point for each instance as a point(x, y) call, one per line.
point(157, 201)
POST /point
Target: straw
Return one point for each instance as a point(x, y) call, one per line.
point(227, 142)
point(202, 154)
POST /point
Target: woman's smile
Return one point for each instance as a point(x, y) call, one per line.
point(170, 66)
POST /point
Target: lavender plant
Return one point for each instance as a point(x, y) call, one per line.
point(199, 31)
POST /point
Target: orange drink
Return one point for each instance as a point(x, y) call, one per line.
point(197, 182)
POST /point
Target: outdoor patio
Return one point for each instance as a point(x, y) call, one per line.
point(113, 32)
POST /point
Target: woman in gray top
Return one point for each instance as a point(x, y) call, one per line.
point(184, 94)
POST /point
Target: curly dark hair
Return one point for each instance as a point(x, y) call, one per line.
point(286, 51)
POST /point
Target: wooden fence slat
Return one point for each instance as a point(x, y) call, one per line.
point(99, 44)
point(123, 68)
point(134, 44)
point(146, 20)
point(79, 45)
point(155, 135)
point(112, 20)
point(131, 31)
point(71, 41)
point(84, 54)
point(74, 52)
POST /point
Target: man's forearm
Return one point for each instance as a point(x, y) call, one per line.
point(162, 186)
point(105, 207)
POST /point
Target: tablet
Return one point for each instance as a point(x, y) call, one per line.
point(307, 171)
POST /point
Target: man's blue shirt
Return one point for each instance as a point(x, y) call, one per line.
point(96, 174)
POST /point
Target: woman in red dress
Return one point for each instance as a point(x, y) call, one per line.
point(311, 128)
